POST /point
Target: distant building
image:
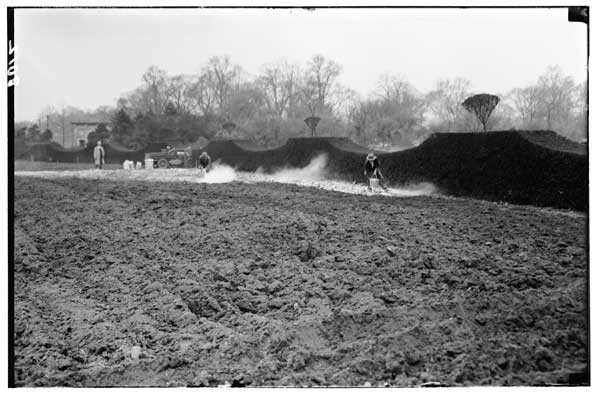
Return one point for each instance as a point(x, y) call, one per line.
point(79, 133)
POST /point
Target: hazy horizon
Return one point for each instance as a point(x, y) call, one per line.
point(90, 57)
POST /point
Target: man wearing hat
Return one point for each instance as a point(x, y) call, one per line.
point(371, 169)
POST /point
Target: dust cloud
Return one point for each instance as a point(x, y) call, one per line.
point(314, 175)
point(314, 171)
point(219, 174)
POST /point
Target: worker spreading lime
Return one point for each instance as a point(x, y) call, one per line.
point(204, 162)
point(372, 170)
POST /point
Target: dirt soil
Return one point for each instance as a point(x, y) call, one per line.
point(132, 283)
point(25, 165)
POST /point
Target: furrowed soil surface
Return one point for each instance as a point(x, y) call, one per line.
point(133, 283)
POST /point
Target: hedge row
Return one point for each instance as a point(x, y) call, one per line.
point(515, 167)
point(531, 167)
point(55, 153)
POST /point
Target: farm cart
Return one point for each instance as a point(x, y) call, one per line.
point(173, 158)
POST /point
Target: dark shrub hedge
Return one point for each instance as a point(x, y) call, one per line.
point(534, 167)
point(524, 167)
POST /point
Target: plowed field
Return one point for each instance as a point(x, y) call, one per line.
point(142, 283)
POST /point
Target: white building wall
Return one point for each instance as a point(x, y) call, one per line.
point(75, 134)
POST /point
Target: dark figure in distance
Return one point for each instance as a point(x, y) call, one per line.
point(204, 161)
point(99, 155)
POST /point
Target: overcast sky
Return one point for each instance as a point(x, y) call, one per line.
point(89, 57)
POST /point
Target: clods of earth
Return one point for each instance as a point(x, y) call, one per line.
point(138, 283)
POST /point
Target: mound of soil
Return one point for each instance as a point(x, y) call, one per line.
point(155, 284)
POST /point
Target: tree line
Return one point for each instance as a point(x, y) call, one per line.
point(273, 105)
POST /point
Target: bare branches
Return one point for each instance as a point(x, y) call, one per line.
point(273, 104)
point(445, 102)
point(319, 80)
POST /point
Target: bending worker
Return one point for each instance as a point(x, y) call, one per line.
point(204, 161)
point(372, 170)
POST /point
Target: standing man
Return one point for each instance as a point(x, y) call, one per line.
point(99, 155)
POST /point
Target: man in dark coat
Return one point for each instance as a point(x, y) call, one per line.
point(372, 170)
point(204, 161)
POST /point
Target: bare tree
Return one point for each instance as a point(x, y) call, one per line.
point(203, 93)
point(445, 102)
point(274, 84)
point(293, 85)
point(393, 88)
point(526, 102)
point(178, 93)
point(554, 103)
point(343, 101)
point(247, 102)
point(581, 112)
point(399, 109)
point(402, 99)
point(481, 106)
point(320, 77)
point(280, 84)
point(310, 99)
point(222, 76)
point(361, 114)
point(155, 79)
point(136, 101)
point(557, 97)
